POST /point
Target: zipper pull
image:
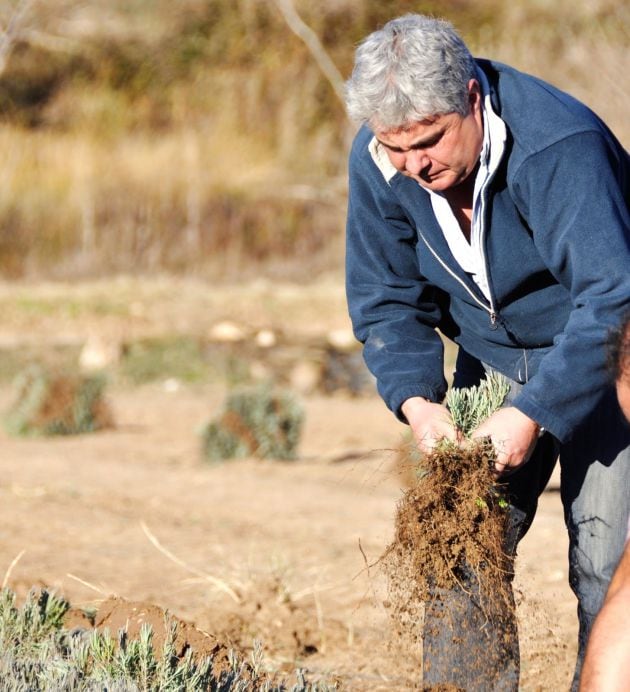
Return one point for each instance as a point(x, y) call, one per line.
point(493, 320)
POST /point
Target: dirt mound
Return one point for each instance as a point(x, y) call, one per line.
point(116, 614)
point(289, 630)
point(286, 631)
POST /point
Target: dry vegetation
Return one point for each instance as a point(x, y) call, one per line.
point(207, 138)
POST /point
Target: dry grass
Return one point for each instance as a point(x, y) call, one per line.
point(211, 141)
point(581, 47)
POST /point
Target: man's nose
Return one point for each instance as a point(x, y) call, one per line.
point(416, 161)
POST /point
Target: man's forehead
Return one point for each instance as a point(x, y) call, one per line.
point(416, 132)
point(411, 127)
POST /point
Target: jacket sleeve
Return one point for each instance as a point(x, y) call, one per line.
point(574, 197)
point(394, 310)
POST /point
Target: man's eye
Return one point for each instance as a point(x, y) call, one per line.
point(427, 145)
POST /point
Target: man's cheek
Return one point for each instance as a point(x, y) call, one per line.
point(623, 394)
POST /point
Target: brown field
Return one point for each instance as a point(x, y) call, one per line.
point(290, 539)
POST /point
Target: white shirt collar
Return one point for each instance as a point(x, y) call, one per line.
point(494, 130)
point(380, 158)
point(470, 256)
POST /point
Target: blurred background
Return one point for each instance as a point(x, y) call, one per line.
point(206, 137)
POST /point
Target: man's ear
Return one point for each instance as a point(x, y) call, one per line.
point(474, 94)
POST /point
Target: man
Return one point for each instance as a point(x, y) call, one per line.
point(488, 204)
point(607, 660)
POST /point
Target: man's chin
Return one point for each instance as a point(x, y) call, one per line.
point(439, 183)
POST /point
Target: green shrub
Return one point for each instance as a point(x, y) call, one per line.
point(470, 406)
point(255, 422)
point(50, 403)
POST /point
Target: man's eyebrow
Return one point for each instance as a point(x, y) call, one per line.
point(389, 146)
point(418, 144)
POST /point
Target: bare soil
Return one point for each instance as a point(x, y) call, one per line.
point(281, 552)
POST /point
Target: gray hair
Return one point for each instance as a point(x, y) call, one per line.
point(413, 68)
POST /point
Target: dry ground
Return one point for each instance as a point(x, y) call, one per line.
point(290, 540)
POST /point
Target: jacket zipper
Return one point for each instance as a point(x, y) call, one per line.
point(489, 309)
point(482, 239)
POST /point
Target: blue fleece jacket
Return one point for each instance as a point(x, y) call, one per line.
point(557, 250)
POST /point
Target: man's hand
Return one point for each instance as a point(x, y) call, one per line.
point(429, 422)
point(514, 436)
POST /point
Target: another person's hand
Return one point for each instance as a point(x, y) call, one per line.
point(429, 422)
point(513, 435)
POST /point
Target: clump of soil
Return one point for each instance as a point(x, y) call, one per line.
point(449, 530)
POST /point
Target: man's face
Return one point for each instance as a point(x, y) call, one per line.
point(439, 152)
